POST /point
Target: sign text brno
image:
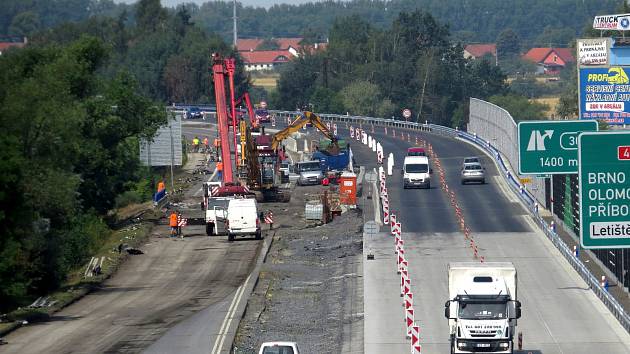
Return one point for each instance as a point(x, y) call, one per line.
point(604, 182)
point(550, 147)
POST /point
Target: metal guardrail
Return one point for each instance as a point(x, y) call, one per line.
point(613, 305)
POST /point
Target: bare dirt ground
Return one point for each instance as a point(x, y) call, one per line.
point(310, 286)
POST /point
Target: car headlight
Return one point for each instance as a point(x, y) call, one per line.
point(504, 345)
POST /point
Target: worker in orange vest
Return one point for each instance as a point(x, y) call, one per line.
point(219, 169)
point(173, 223)
point(161, 186)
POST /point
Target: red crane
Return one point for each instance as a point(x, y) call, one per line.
point(218, 72)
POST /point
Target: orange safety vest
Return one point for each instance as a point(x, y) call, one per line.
point(173, 220)
point(216, 142)
point(205, 141)
point(161, 186)
point(219, 166)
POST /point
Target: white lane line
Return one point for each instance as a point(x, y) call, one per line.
point(225, 326)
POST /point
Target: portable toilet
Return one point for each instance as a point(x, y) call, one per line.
point(348, 188)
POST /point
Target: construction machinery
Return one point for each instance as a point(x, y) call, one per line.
point(306, 118)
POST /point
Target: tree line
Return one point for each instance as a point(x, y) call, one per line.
point(377, 72)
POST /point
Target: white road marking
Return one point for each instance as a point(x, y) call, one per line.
point(225, 326)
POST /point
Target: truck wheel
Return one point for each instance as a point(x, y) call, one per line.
point(209, 229)
point(259, 235)
point(230, 237)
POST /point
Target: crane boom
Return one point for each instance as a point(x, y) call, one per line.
point(218, 73)
point(302, 120)
point(250, 108)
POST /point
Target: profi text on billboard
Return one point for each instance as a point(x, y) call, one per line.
point(605, 94)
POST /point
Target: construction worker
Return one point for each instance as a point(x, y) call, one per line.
point(205, 143)
point(173, 223)
point(161, 186)
point(220, 170)
point(195, 143)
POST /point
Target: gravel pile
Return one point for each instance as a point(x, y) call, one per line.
point(307, 289)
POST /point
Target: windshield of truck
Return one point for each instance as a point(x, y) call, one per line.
point(417, 168)
point(487, 311)
point(309, 166)
point(278, 349)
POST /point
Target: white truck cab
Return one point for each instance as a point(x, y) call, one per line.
point(482, 308)
point(416, 172)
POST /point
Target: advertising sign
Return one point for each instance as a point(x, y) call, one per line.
point(604, 183)
point(619, 22)
point(593, 52)
point(605, 94)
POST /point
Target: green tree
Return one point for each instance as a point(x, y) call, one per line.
point(150, 15)
point(361, 98)
point(520, 108)
point(508, 44)
point(24, 24)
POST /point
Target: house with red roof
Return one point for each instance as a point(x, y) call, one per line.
point(550, 61)
point(289, 48)
point(257, 60)
point(9, 42)
point(475, 51)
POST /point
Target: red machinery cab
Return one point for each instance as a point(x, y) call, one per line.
point(416, 151)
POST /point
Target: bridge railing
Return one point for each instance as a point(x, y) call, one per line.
point(513, 181)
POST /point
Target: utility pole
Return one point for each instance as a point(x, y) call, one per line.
point(234, 19)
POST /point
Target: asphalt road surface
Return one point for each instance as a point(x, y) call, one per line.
point(560, 313)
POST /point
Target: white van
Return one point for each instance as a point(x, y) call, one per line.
point(279, 348)
point(242, 219)
point(416, 172)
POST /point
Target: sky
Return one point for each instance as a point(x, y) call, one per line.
point(256, 3)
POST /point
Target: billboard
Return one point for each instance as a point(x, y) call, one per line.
point(593, 51)
point(605, 94)
point(619, 22)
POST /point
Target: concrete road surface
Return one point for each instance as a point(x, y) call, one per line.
point(560, 313)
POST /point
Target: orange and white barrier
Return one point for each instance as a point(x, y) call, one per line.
point(409, 321)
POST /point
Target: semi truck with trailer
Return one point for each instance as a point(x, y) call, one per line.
point(482, 308)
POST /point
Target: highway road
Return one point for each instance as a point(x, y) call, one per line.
point(560, 313)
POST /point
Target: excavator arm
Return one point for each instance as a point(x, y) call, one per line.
point(306, 117)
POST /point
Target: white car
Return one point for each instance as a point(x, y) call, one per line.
point(279, 348)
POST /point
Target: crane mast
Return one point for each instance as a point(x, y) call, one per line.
point(218, 72)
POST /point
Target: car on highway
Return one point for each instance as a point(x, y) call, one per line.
point(471, 159)
point(416, 151)
point(193, 112)
point(473, 172)
point(310, 172)
point(416, 172)
point(279, 348)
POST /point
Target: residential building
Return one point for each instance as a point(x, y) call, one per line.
point(259, 60)
point(475, 51)
point(9, 42)
point(550, 61)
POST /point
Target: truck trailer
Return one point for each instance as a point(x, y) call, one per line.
point(482, 308)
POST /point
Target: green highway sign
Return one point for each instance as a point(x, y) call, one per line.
point(550, 147)
point(604, 175)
